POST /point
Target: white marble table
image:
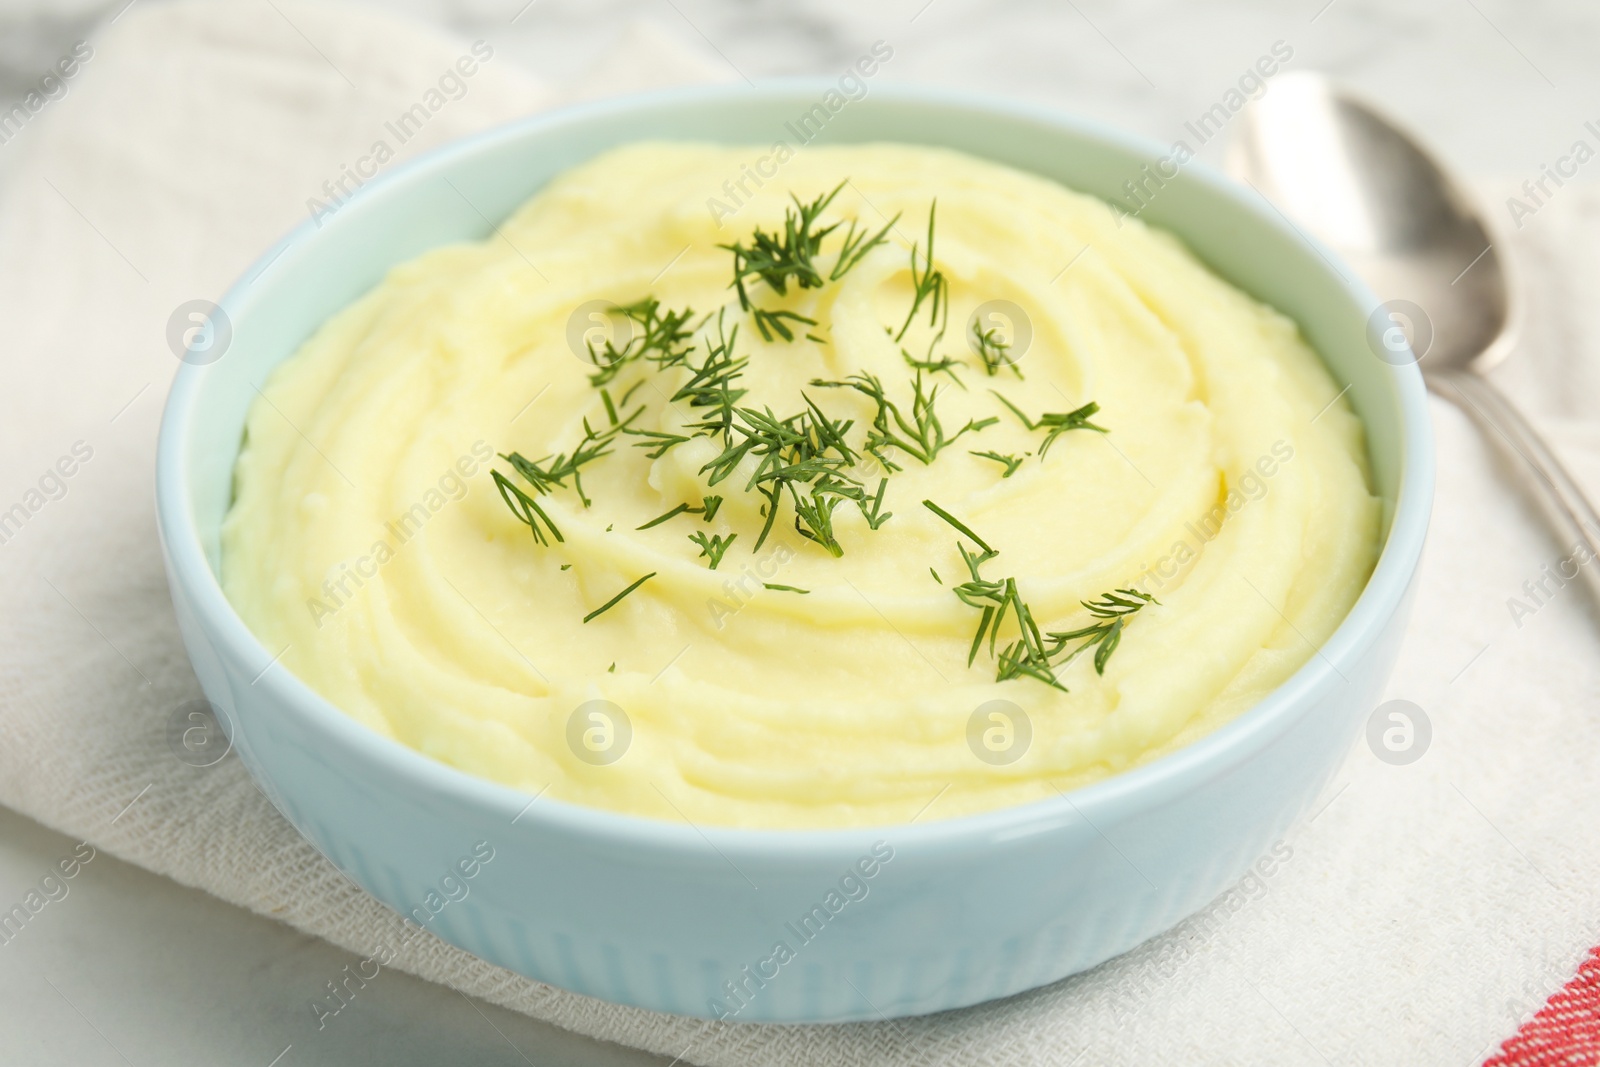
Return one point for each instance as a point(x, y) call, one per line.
point(132, 969)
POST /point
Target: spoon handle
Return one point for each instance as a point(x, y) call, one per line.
point(1569, 507)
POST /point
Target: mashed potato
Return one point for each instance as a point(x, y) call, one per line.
point(822, 678)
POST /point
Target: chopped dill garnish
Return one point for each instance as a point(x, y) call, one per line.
point(922, 436)
point(1056, 424)
point(713, 546)
point(959, 525)
point(1040, 655)
point(855, 248)
point(946, 365)
point(991, 597)
point(525, 508)
point(613, 668)
point(661, 340)
point(992, 350)
point(659, 519)
point(711, 383)
point(809, 460)
point(1115, 607)
point(813, 517)
point(927, 286)
point(790, 449)
point(771, 323)
point(608, 605)
point(875, 515)
point(543, 481)
point(777, 259)
point(658, 440)
point(1025, 657)
point(707, 509)
point(807, 449)
point(1011, 463)
point(551, 472)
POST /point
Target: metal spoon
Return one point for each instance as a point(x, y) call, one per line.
point(1367, 189)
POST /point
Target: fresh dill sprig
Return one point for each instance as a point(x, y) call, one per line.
point(1113, 609)
point(712, 546)
point(656, 440)
point(805, 449)
point(875, 515)
point(935, 575)
point(813, 518)
point(946, 365)
point(769, 510)
point(1025, 657)
point(814, 507)
point(992, 349)
point(922, 435)
point(771, 323)
point(1011, 463)
point(778, 259)
point(561, 466)
point(855, 248)
point(552, 472)
point(608, 605)
point(707, 509)
point(526, 509)
point(661, 340)
point(711, 383)
point(927, 286)
point(785, 588)
point(959, 525)
point(543, 481)
point(1056, 424)
point(1034, 654)
point(989, 596)
point(790, 449)
point(659, 519)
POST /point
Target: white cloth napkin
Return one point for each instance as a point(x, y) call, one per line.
point(1416, 917)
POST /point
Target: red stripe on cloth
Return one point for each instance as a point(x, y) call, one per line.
point(1566, 1032)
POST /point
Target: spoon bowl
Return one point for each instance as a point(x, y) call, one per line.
point(1349, 176)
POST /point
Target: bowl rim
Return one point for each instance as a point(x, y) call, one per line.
point(1115, 797)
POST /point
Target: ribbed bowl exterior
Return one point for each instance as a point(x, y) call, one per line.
point(690, 920)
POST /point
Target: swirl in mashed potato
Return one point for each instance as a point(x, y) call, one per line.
point(368, 537)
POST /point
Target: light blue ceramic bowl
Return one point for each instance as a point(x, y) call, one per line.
point(686, 920)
